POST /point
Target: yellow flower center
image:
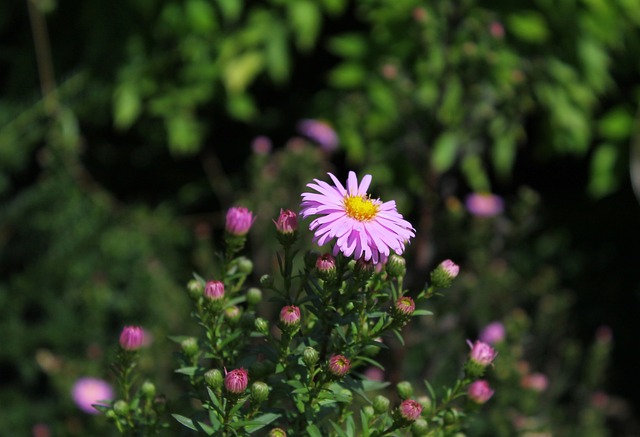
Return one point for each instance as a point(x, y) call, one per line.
point(360, 208)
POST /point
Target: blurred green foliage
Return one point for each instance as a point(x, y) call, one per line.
point(111, 186)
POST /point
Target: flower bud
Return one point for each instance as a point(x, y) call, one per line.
point(238, 221)
point(236, 381)
point(233, 314)
point(290, 317)
point(214, 290)
point(404, 307)
point(266, 281)
point(121, 408)
point(254, 296)
point(262, 326)
point(368, 411)
point(363, 270)
point(381, 404)
point(480, 391)
point(195, 289)
point(287, 227)
point(190, 346)
point(326, 267)
point(443, 275)
point(213, 378)
point(419, 428)
point(277, 432)
point(148, 389)
point(405, 389)
point(310, 356)
point(131, 338)
point(244, 265)
point(480, 356)
point(396, 265)
point(259, 392)
point(410, 410)
point(339, 365)
point(425, 401)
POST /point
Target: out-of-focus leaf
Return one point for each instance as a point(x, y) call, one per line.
point(277, 54)
point(241, 107)
point(475, 173)
point(230, 9)
point(184, 133)
point(239, 72)
point(347, 75)
point(305, 20)
point(200, 15)
point(503, 153)
point(127, 105)
point(603, 180)
point(595, 63)
point(348, 45)
point(451, 108)
point(616, 125)
point(529, 26)
point(334, 6)
point(445, 150)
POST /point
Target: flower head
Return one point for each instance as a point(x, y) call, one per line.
point(87, 392)
point(214, 290)
point(484, 204)
point(236, 381)
point(410, 409)
point(445, 273)
point(320, 132)
point(492, 333)
point(537, 382)
point(132, 338)
point(238, 221)
point(290, 315)
point(363, 227)
point(405, 306)
point(339, 365)
point(287, 222)
point(480, 391)
point(481, 353)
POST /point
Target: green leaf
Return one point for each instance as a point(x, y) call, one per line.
point(529, 26)
point(127, 105)
point(231, 9)
point(445, 150)
point(475, 173)
point(305, 18)
point(349, 45)
point(277, 54)
point(189, 371)
point(185, 421)
point(241, 107)
point(603, 178)
point(184, 133)
point(616, 125)
point(200, 15)
point(313, 431)
point(240, 71)
point(348, 75)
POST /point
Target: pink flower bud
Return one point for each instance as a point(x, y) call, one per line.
point(325, 263)
point(481, 353)
point(450, 268)
point(290, 315)
point(537, 382)
point(214, 290)
point(410, 409)
point(239, 221)
point(339, 365)
point(287, 222)
point(492, 333)
point(496, 29)
point(479, 391)
point(132, 338)
point(405, 306)
point(236, 381)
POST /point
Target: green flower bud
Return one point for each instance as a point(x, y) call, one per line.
point(266, 281)
point(419, 428)
point(405, 390)
point(396, 265)
point(213, 378)
point(444, 274)
point(425, 401)
point(381, 404)
point(233, 314)
point(148, 389)
point(310, 356)
point(244, 265)
point(368, 411)
point(121, 408)
point(195, 289)
point(190, 346)
point(277, 432)
point(262, 326)
point(254, 296)
point(259, 392)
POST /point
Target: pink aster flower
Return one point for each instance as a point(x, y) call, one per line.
point(480, 391)
point(236, 381)
point(132, 338)
point(321, 132)
point(89, 391)
point(410, 409)
point(537, 382)
point(484, 204)
point(366, 228)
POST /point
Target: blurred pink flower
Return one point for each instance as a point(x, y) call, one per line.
point(41, 430)
point(132, 338)
point(410, 409)
point(492, 333)
point(480, 391)
point(364, 228)
point(89, 391)
point(374, 374)
point(481, 353)
point(261, 145)
point(484, 204)
point(321, 132)
point(496, 29)
point(238, 221)
point(535, 381)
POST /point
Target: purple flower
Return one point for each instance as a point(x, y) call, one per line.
point(236, 381)
point(339, 365)
point(363, 227)
point(535, 381)
point(89, 391)
point(410, 410)
point(132, 338)
point(320, 132)
point(450, 268)
point(480, 391)
point(261, 145)
point(287, 222)
point(484, 204)
point(238, 221)
point(405, 306)
point(481, 353)
point(493, 333)
point(290, 315)
point(214, 290)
